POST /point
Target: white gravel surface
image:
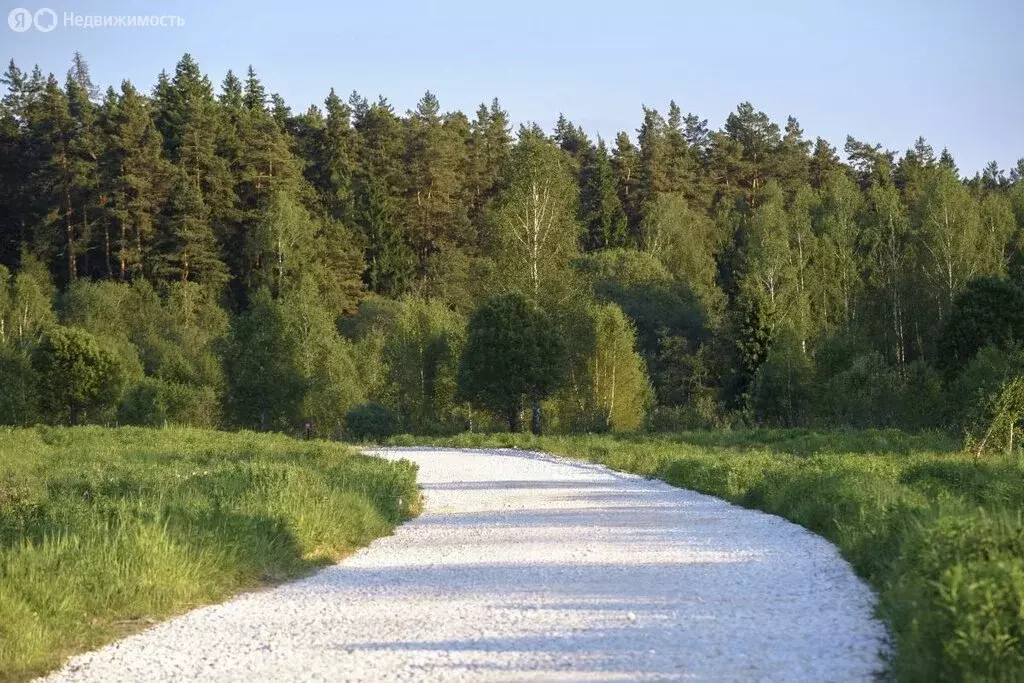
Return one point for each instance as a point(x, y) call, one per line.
point(528, 567)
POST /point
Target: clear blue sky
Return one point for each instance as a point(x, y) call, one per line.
point(882, 71)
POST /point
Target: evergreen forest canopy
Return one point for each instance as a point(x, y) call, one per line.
point(207, 256)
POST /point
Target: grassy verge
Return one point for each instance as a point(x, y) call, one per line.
point(940, 537)
point(103, 531)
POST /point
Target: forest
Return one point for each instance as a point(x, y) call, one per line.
point(204, 255)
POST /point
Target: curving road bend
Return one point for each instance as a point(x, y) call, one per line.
point(525, 566)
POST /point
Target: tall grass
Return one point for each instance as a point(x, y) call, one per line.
point(939, 536)
point(103, 531)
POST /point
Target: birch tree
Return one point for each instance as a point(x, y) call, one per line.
point(951, 238)
point(685, 241)
point(768, 281)
point(537, 234)
point(841, 204)
point(890, 260)
point(620, 383)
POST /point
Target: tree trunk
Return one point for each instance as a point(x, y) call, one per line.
point(70, 229)
point(513, 419)
point(535, 423)
point(106, 249)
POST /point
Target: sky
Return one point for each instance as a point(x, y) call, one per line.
point(883, 72)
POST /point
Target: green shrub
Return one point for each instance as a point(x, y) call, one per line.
point(372, 421)
point(987, 399)
point(782, 390)
point(78, 378)
point(988, 312)
point(154, 402)
point(18, 398)
point(702, 412)
point(921, 401)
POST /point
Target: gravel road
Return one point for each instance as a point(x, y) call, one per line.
point(528, 567)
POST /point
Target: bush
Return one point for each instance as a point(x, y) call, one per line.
point(79, 379)
point(858, 389)
point(921, 401)
point(987, 399)
point(610, 390)
point(702, 412)
point(372, 421)
point(989, 311)
point(18, 397)
point(421, 347)
point(265, 386)
point(154, 402)
point(514, 354)
point(782, 390)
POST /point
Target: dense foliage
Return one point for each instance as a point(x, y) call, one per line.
point(102, 531)
point(251, 266)
point(513, 356)
point(936, 533)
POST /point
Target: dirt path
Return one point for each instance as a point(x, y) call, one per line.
point(524, 566)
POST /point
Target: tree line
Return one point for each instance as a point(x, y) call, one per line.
point(208, 256)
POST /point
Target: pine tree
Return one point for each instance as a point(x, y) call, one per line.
point(946, 161)
point(681, 166)
point(281, 113)
point(435, 160)
point(255, 95)
point(871, 164)
point(912, 170)
point(698, 146)
point(824, 161)
point(626, 164)
point(265, 164)
point(16, 207)
point(654, 157)
point(490, 143)
point(793, 162)
point(85, 149)
point(758, 146)
point(187, 247)
point(380, 185)
point(572, 140)
point(390, 263)
point(231, 93)
point(601, 213)
point(330, 148)
point(193, 130)
point(52, 131)
point(135, 179)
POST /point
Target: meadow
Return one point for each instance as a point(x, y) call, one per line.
point(937, 534)
point(104, 531)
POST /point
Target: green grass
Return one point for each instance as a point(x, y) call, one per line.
point(103, 531)
point(939, 536)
